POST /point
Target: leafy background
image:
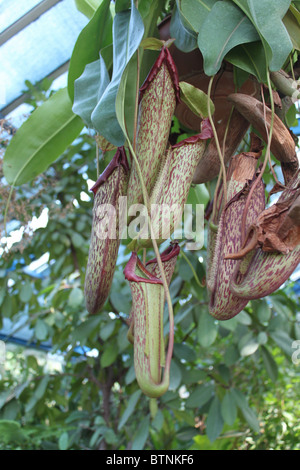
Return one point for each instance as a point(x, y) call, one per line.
point(234, 384)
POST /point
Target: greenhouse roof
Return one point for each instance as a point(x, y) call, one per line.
point(36, 41)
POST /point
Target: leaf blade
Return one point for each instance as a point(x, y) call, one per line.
point(224, 28)
point(43, 137)
point(94, 36)
point(128, 31)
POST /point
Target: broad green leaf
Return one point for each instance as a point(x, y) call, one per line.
point(183, 351)
point(283, 340)
point(231, 355)
point(214, 421)
point(153, 44)
point(96, 35)
point(43, 137)
point(126, 98)
point(175, 376)
point(200, 396)
point(41, 387)
point(11, 431)
point(130, 408)
point(267, 19)
point(7, 306)
point(248, 344)
point(251, 58)
point(63, 441)
point(270, 364)
point(292, 23)
point(248, 413)
point(128, 30)
point(262, 310)
point(40, 330)
point(107, 330)
point(141, 435)
point(89, 88)
point(198, 194)
point(228, 408)
point(121, 302)
point(25, 292)
point(76, 297)
point(207, 330)
point(83, 331)
point(158, 421)
point(109, 355)
point(262, 337)
point(185, 38)
point(195, 99)
point(195, 11)
point(87, 7)
point(224, 28)
point(38, 393)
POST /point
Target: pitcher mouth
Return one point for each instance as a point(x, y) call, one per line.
point(130, 274)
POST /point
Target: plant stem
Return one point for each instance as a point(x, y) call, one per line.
point(136, 99)
point(216, 138)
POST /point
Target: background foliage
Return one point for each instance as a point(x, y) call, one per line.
point(234, 384)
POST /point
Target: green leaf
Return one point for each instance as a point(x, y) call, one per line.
point(228, 408)
point(248, 413)
point(225, 27)
point(262, 310)
point(232, 355)
point(86, 328)
point(292, 23)
point(283, 340)
point(128, 30)
point(153, 44)
point(175, 376)
point(107, 330)
point(198, 194)
point(200, 396)
point(95, 36)
point(207, 330)
point(141, 435)
point(41, 388)
point(185, 38)
point(185, 352)
point(248, 344)
point(40, 330)
point(75, 298)
point(270, 364)
point(89, 88)
point(10, 431)
point(130, 408)
point(214, 421)
point(195, 12)
point(125, 100)
point(87, 7)
point(195, 99)
point(25, 292)
point(109, 355)
point(267, 20)
point(43, 137)
point(63, 441)
point(250, 58)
